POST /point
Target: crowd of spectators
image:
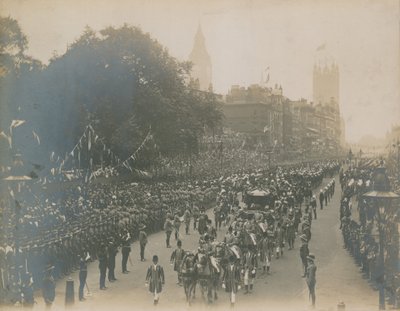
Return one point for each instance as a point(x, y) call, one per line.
point(361, 226)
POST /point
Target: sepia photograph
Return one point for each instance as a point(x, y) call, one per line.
point(200, 155)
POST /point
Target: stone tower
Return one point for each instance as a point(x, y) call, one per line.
point(326, 84)
point(201, 70)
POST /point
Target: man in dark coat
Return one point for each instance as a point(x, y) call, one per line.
point(311, 277)
point(103, 263)
point(168, 227)
point(126, 249)
point(304, 252)
point(112, 253)
point(321, 198)
point(27, 290)
point(142, 241)
point(155, 279)
point(231, 279)
point(82, 274)
point(49, 285)
point(313, 204)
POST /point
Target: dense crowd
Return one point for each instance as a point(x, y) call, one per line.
point(361, 227)
point(258, 232)
point(56, 229)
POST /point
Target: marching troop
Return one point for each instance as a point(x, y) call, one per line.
point(108, 220)
point(254, 236)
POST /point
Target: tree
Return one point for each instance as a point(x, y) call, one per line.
point(123, 82)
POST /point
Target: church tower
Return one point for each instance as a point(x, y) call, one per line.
point(326, 84)
point(201, 70)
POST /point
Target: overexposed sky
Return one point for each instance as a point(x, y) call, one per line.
point(243, 37)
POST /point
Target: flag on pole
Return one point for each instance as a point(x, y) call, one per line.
point(266, 128)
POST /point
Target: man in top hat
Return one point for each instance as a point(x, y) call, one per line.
point(311, 277)
point(155, 279)
point(231, 279)
point(304, 252)
point(142, 241)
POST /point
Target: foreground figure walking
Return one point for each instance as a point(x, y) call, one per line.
point(155, 279)
point(311, 277)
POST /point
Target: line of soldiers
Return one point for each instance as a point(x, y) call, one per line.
point(109, 216)
point(360, 232)
point(99, 231)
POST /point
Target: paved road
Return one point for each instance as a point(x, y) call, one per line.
point(338, 278)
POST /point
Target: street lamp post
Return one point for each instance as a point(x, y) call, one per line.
point(381, 198)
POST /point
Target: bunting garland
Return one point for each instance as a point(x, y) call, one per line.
point(134, 155)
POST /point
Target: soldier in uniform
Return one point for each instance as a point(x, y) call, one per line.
point(177, 225)
point(290, 231)
point(280, 240)
point(249, 267)
point(186, 219)
point(112, 252)
point(27, 290)
point(229, 236)
point(265, 254)
point(202, 223)
point(155, 279)
point(196, 214)
point(49, 285)
point(231, 279)
point(311, 279)
point(103, 263)
point(313, 204)
point(168, 227)
point(217, 215)
point(126, 249)
point(176, 260)
point(142, 241)
point(321, 198)
point(304, 252)
point(83, 259)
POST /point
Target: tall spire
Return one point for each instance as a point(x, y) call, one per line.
point(201, 60)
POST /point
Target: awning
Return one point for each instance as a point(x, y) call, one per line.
point(258, 193)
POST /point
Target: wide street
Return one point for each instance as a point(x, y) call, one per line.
point(338, 278)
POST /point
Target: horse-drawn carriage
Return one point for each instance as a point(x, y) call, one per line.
point(258, 199)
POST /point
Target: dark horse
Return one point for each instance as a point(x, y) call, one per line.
point(207, 277)
point(189, 277)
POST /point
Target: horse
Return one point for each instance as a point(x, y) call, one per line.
point(189, 277)
point(204, 276)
